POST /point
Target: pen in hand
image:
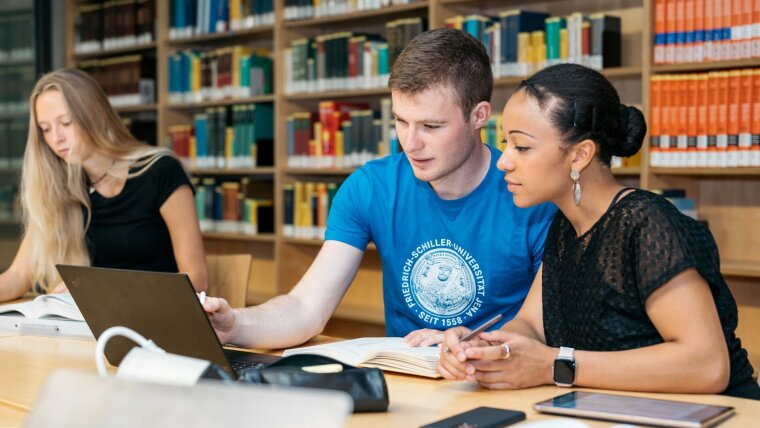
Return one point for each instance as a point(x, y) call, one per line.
point(481, 328)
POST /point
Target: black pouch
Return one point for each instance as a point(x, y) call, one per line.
point(365, 385)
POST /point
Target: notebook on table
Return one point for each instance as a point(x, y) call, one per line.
point(162, 307)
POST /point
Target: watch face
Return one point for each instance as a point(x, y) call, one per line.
point(564, 372)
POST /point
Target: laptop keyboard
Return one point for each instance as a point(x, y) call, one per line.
point(240, 365)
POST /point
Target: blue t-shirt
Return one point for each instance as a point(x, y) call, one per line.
point(445, 262)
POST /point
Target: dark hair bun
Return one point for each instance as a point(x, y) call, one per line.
point(633, 128)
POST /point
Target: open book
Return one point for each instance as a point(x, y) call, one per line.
point(385, 353)
point(46, 315)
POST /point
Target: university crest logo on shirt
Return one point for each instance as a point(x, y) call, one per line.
point(442, 283)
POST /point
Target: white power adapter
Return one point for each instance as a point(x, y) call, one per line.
point(150, 363)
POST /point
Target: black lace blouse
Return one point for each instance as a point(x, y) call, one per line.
point(595, 286)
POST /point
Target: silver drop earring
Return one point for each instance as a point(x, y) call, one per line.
point(575, 176)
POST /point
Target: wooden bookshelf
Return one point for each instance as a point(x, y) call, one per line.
point(264, 237)
point(226, 37)
point(729, 198)
point(705, 66)
point(328, 95)
point(136, 108)
point(145, 47)
point(384, 13)
point(224, 102)
point(708, 172)
point(261, 170)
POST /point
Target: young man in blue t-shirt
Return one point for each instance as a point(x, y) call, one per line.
point(455, 250)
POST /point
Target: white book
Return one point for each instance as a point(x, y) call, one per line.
point(385, 353)
point(46, 315)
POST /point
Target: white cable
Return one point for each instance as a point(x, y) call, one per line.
point(100, 357)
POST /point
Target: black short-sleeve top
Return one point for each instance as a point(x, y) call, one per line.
point(595, 286)
point(127, 230)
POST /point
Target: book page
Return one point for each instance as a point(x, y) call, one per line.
point(61, 305)
point(23, 308)
point(387, 353)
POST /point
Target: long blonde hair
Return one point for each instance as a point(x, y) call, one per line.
point(53, 192)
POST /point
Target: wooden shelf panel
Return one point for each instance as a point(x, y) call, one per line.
point(16, 62)
point(224, 102)
point(748, 269)
point(226, 36)
point(318, 243)
point(14, 115)
point(264, 237)
point(112, 52)
point(263, 170)
point(136, 109)
point(732, 171)
point(613, 72)
point(319, 171)
point(383, 11)
point(704, 66)
point(626, 170)
point(339, 94)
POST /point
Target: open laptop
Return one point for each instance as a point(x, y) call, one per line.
point(163, 307)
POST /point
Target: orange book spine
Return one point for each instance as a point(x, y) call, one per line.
point(727, 19)
point(755, 128)
point(712, 113)
point(745, 117)
point(680, 23)
point(660, 32)
point(683, 119)
point(670, 30)
point(745, 47)
point(717, 50)
point(669, 119)
point(709, 30)
point(688, 29)
point(703, 119)
point(655, 119)
point(737, 29)
point(691, 125)
point(734, 87)
point(756, 29)
point(699, 30)
point(722, 142)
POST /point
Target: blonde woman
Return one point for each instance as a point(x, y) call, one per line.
point(93, 195)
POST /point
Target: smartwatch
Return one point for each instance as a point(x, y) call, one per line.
point(563, 370)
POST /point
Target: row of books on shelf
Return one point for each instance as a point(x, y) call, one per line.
point(128, 80)
point(306, 207)
point(228, 207)
point(305, 9)
point(706, 119)
point(239, 136)
point(705, 30)
point(229, 72)
point(15, 84)
point(113, 25)
point(521, 42)
point(192, 18)
point(16, 36)
point(346, 60)
point(13, 135)
point(340, 135)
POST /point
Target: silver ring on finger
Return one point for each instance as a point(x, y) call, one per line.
point(507, 351)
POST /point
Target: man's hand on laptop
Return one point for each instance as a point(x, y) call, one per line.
point(222, 318)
